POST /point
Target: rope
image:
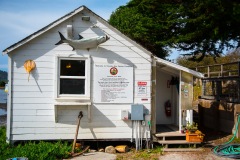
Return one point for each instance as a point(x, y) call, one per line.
point(229, 150)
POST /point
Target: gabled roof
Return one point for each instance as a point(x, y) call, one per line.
point(179, 67)
point(62, 19)
point(76, 11)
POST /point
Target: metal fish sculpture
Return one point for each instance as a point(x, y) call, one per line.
point(83, 43)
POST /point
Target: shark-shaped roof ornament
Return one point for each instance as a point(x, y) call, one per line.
point(83, 43)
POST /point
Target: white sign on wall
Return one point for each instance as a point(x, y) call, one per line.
point(142, 88)
point(113, 83)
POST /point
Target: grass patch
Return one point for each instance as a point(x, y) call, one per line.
point(145, 154)
point(34, 150)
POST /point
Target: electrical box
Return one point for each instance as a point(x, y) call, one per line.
point(137, 112)
point(125, 115)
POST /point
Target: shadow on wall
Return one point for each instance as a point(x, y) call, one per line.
point(105, 120)
point(220, 114)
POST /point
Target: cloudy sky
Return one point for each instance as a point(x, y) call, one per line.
point(20, 18)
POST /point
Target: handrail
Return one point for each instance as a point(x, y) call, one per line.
point(220, 69)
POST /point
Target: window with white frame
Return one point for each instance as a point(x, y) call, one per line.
point(72, 79)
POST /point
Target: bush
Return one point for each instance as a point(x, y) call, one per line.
point(33, 150)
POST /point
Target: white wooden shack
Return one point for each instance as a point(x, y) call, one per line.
point(105, 83)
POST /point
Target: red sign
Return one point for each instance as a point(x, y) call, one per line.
point(142, 83)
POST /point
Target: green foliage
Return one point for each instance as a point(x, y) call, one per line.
point(208, 60)
point(145, 22)
point(146, 154)
point(197, 26)
point(158, 149)
point(33, 150)
point(3, 76)
point(192, 127)
point(197, 91)
point(207, 26)
point(2, 83)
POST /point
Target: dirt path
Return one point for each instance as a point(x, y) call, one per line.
point(201, 155)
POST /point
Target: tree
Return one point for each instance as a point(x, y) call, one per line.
point(3, 75)
point(232, 56)
point(145, 22)
point(2, 83)
point(198, 26)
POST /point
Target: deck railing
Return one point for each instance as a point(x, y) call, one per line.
point(221, 81)
point(220, 70)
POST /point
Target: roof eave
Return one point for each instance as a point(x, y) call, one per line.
point(179, 67)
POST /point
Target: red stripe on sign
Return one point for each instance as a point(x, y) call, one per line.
point(144, 99)
point(142, 83)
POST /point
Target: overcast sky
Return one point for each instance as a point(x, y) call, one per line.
point(20, 18)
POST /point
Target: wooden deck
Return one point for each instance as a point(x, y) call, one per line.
point(170, 135)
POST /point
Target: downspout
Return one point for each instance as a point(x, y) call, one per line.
point(9, 100)
point(153, 97)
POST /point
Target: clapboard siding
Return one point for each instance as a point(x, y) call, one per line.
point(32, 82)
point(70, 130)
point(23, 94)
point(121, 60)
point(71, 136)
point(33, 110)
point(33, 53)
point(34, 75)
point(39, 118)
point(25, 106)
point(41, 64)
point(21, 88)
point(30, 100)
point(84, 124)
point(42, 69)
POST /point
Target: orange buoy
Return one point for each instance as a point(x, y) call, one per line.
point(29, 65)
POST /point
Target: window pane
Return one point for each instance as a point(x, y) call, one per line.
point(72, 68)
point(72, 86)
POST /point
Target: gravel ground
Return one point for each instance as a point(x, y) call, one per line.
point(201, 155)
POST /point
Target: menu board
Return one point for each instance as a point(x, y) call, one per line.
point(113, 83)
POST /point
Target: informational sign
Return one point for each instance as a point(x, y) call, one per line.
point(142, 88)
point(186, 91)
point(113, 83)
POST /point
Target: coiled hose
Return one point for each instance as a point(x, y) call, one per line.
point(229, 150)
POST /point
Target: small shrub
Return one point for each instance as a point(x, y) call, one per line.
point(33, 150)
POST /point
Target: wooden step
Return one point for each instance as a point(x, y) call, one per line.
point(182, 149)
point(177, 142)
point(170, 134)
point(166, 143)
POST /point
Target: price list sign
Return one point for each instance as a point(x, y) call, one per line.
point(113, 83)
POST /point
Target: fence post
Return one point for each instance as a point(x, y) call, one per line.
point(208, 71)
point(203, 87)
point(221, 70)
point(238, 82)
point(218, 90)
point(238, 68)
